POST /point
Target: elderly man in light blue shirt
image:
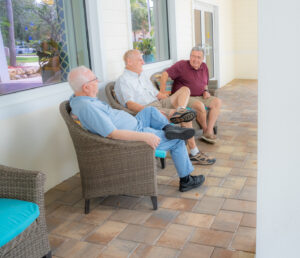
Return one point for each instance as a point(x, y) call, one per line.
point(135, 91)
point(149, 125)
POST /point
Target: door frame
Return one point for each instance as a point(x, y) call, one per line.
point(202, 6)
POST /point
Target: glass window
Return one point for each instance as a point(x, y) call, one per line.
point(150, 29)
point(39, 43)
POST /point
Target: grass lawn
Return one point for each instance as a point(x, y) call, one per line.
point(31, 59)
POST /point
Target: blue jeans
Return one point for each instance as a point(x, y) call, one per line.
point(152, 121)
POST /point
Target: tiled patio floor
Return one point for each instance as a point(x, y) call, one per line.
point(218, 220)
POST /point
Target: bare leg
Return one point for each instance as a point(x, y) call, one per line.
point(181, 97)
point(214, 112)
point(201, 114)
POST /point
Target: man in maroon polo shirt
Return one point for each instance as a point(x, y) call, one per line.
point(193, 74)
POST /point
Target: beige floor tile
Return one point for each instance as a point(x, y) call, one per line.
point(73, 230)
point(55, 242)
point(163, 180)
point(209, 205)
point(215, 191)
point(251, 181)
point(234, 182)
point(212, 237)
point(245, 239)
point(53, 195)
point(70, 198)
point(178, 204)
point(161, 218)
point(69, 185)
point(226, 149)
point(125, 202)
point(175, 236)
point(195, 219)
point(140, 234)
point(241, 156)
point(168, 190)
point(106, 232)
point(243, 172)
point(98, 215)
point(78, 249)
point(239, 205)
point(248, 193)
point(218, 171)
point(67, 213)
point(212, 181)
point(118, 249)
point(227, 221)
point(53, 222)
point(131, 216)
point(252, 164)
point(196, 193)
point(249, 220)
point(192, 250)
point(223, 253)
point(147, 251)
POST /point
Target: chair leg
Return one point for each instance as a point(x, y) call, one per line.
point(215, 130)
point(163, 162)
point(48, 255)
point(87, 206)
point(154, 202)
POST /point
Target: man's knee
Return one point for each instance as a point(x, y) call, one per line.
point(185, 90)
point(216, 103)
point(198, 106)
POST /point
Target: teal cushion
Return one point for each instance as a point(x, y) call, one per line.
point(15, 217)
point(160, 153)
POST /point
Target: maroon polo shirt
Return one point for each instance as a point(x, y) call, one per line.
point(183, 74)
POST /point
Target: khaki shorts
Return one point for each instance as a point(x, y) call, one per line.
point(206, 102)
point(163, 105)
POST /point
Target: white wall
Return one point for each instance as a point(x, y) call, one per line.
point(245, 39)
point(278, 211)
point(33, 134)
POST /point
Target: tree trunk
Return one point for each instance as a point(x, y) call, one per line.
point(11, 33)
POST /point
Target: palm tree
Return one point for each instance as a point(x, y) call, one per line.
point(11, 33)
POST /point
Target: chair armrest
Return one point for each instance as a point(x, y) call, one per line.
point(22, 185)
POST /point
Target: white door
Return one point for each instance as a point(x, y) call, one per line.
point(205, 35)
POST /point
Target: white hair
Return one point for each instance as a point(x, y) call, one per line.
point(77, 77)
point(198, 48)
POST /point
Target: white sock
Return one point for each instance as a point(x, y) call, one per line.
point(194, 151)
point(178, 108)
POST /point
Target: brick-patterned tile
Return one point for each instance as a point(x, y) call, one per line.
point(193, 250)
point(178, 204)
point(222, 192)
point(234, 182)
point(224, 253)
point(147, 251)
point(249, 220)
point(140, 234)
point(98, 215)
point(212, 237)
point(248, 193)
point(209, 205)
point(218, 171)
point(227, 221)
point(239, 205)
point(126, 202)
point(72, 229)
point(212, 181)
point(175, 236)
point(131, 216)
point(118, 248)
point(77, 249)
point(161, 218)
point(245, 239)
point(106, 232)
point(195, 219)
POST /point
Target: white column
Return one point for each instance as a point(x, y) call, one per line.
point(4, 76)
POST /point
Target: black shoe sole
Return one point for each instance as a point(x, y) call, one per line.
point(190, 187)
point(184, 134)
point(184, 118)
point(196, 162)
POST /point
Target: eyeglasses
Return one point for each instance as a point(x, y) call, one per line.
point(96, 79)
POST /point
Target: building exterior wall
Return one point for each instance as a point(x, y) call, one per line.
point(245, 38)
point(33, 135)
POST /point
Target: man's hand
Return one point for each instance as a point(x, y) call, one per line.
point(206, 95)
point(152, 140)
point(162, 95)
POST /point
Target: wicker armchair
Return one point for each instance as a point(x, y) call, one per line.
point(111, 167)
point(27, 186)
point(212, 88)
